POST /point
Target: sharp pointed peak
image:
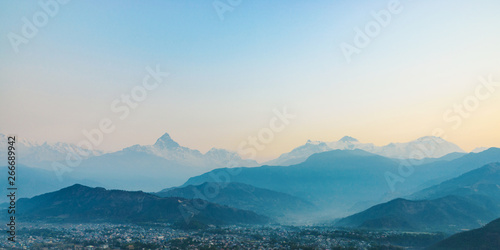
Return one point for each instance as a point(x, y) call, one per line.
point(165, 136)
point(165, 141)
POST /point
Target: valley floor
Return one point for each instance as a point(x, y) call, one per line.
point(164, 236)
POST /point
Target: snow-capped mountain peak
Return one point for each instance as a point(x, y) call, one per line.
point(217, 152)
point(313, 142)
point(169, 149)
point(348, 139)
point(430, 138)
point(42, 155)
point(226, 158)
point(424, 147)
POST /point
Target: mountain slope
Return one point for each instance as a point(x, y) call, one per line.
point(79, 203)
point(477, 195)
point(340, 179)
point(485, 238)
point(450, 213)
point(243, 196)
point(439, 171)
point(481, 182)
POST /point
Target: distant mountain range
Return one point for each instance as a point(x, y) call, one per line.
point(335, 180)
point(167, 148)
point(154, 167)
point(455, 191)
point(339, 180)
point(79, 204)
point(41, 155)
point(243, 196)
point(425, 147)
point(148, 168)
point(166, 164)
point(467, 201)
point(485, 238)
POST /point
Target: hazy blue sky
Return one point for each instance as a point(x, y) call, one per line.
point(226, 76)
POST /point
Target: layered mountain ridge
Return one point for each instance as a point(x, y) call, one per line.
point(79, 203)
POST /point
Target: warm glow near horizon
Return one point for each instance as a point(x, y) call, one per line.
point(421, 72)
